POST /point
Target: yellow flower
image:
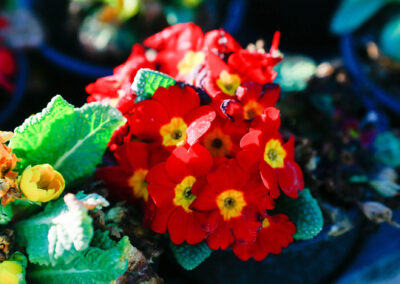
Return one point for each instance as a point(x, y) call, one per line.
point(41, 183)
point(11, 272)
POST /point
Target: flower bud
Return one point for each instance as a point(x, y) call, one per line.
point(11, 272)
point(41, 183)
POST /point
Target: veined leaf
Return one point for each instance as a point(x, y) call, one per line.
point(190, 256)
point(147, 81)
point(94, 265)
point(61, 232)
point(304, 212)
point(72, 140)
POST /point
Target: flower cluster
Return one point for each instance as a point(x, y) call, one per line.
point(205, 156)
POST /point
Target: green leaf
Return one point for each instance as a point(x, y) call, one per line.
point(72, 140)
point(94, 265)
point(304, 212)
point(16, 210)
point(147, 81)
point(61, 232)
point(190, 256)
point(6, 214)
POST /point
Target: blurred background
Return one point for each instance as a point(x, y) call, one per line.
point(55, 37)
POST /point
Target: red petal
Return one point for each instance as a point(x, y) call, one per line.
point(178, 225)
point(289, 148)
point(200, 122)
point(161, 217)
point(197, 158)
point(176, 168)
point(270, 95)
point(245, 227)
point(269, 179)
point(252, 138)
point(195, 234)
point(178, 101)
point(290, 179)
point(205, 201)
point(185, 36)
point(242, 251)
point(221, 41)
point(220, 238)
point(249, 158)
point(216, 65)
point(146, 119)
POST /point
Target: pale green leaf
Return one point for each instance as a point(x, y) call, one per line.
point(61, 232)
point(93, 266)
point(72, 140)
point(147, 81)
point(304, 212)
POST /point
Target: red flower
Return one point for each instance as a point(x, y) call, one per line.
point(223, 138)
point(173, 186)
point(252, 100)
point(276, 233)
point(127, 179)
point(234, 201)
point(182, 49)
point(224, 78)
point(111, 89)
point(7, 69)
point(263, 148)
point(173, 117)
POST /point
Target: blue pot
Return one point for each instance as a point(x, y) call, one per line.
point(308, 262)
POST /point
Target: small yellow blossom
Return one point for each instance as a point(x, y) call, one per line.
point(41, 183)
point(11, 272)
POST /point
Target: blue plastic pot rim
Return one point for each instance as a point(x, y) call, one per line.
point(232, 24)
point(354, 67)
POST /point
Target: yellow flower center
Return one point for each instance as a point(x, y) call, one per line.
point(265, 223)
point(230, 203)
point(252, 109)
point(183, 193)
point(138, 184)
point(174, 133)
point(218, 143)
point(274, 153)
point(228, 83)
point(190, 62)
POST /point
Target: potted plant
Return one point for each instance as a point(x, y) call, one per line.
point(207, 116)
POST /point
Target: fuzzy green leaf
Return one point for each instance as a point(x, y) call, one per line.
point(304, 212)
point(94, 265)
point(72, 140)
point(61, 232)
point(17, 210)
point(6, 214)
point(147, 81)
point(190, 256)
